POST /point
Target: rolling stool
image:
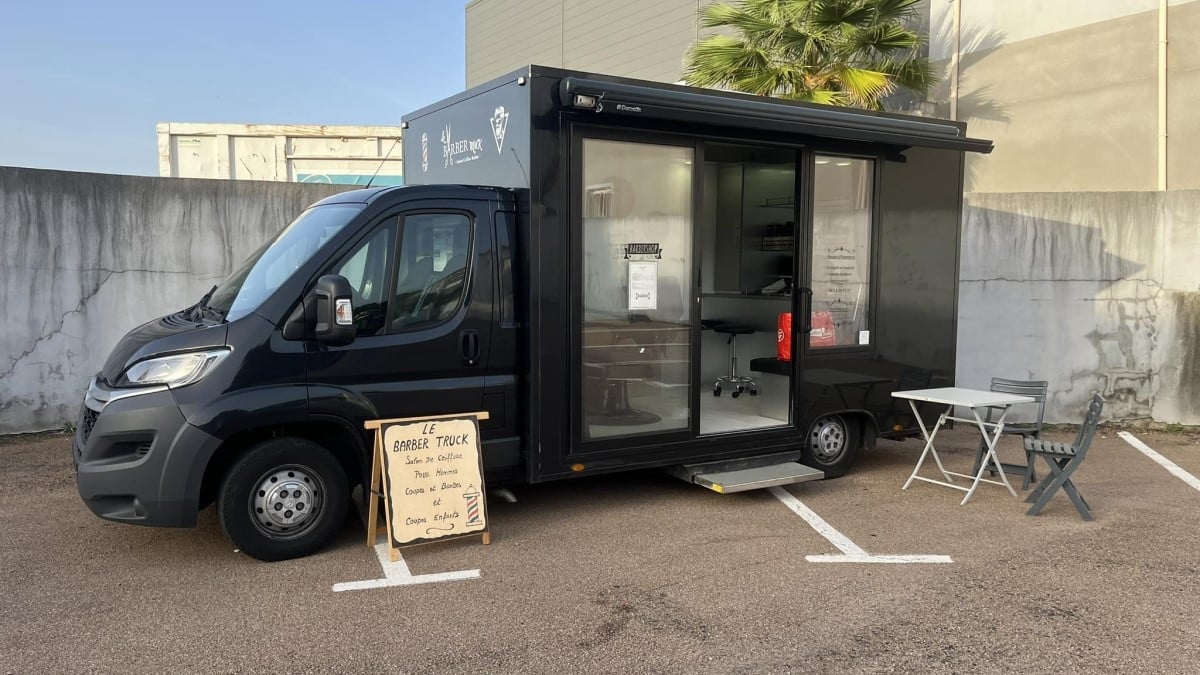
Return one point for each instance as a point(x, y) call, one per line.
point(738, 383)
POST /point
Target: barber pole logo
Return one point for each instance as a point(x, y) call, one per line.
point(474, 517)
point(424, 152)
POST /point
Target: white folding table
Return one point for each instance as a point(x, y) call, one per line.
point(974, 400)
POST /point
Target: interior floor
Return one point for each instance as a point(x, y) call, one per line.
point(724, 414)
point(718, 415)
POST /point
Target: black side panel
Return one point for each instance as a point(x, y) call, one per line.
point(505, 385)
point(479, 140)
point(544, 283)
point(920, 205)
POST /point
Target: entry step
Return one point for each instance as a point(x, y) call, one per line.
point(747, 473)
point(757, 477)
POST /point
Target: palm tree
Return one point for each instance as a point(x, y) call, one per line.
point(838, 52)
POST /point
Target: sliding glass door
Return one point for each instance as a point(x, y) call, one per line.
point(636, 346)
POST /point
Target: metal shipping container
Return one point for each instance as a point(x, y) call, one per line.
point(345, 155)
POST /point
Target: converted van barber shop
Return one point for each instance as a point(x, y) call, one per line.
point(654, 276)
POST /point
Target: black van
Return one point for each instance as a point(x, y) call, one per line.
point(622, 299)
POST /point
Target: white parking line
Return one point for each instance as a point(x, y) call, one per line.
point(398, 574)
point(1160, 460)
point(851, 552)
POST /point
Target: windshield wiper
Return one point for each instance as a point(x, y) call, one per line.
point(203, 304)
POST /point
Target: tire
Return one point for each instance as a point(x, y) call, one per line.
point(832, 445)
point(285, 498)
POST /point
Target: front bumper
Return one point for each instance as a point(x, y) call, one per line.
point(136, 457)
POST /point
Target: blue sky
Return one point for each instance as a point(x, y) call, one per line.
point(83, 82)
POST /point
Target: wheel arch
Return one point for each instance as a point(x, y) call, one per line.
point(868, 426)
point(335, 434)
point(860, 425)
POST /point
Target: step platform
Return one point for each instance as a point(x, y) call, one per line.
point(746, 474)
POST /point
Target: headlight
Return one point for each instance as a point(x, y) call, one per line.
point(174, 371)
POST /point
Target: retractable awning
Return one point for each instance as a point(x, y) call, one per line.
point(613, 100)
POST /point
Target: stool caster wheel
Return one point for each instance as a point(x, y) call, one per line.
point(754, 392)
point(736, 393)
point(717, 391)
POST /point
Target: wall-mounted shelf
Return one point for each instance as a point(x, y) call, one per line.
point(778, 203)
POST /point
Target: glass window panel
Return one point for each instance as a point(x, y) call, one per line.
point(637, 244)
point(431, 276)
point(366, 269)
point(841, 252)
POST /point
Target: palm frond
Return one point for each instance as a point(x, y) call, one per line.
point(894, 10)
point(837, 52)
point(842, 13)
point(884, 38)
point(822, 96)
point(720, 14)
point(718, 59)
point(912, 73)
point(862, 85)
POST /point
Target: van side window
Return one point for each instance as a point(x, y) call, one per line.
point(432, 270)
point(366, 269)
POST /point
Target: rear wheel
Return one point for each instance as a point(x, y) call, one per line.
point(833, 444)
point(285, 498)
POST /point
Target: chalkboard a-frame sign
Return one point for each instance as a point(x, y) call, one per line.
point(429, 473)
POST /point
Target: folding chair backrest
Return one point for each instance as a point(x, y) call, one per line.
point(1087, 430)
point(1035, 389)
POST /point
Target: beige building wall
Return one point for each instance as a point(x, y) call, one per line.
point(645, 39)
point(1183, 97)
point(1069, 91)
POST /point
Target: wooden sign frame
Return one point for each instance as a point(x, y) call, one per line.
point(376, 491)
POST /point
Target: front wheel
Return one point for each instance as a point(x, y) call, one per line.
point(833, 443)
point(285, 498)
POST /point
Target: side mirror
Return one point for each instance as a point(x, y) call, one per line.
point(333, 310)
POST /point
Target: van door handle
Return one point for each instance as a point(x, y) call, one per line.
point(468, 347)
point(806, 310)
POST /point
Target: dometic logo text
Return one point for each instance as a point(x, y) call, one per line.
point(458, 152)
point(629, 108)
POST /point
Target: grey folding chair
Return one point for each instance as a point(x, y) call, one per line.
point(1063, 460)
point(1035, 389)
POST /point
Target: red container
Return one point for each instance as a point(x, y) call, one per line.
point(824, 333)
point(784, 337)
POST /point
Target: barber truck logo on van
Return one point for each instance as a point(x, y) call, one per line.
point(499, 126)
point(460, 151)
point(424, 152)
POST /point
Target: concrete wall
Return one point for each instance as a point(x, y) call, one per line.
point(87, 257)
point(1090, 291)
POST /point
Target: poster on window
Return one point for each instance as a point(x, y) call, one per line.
point(841, 269)
point(643, 285)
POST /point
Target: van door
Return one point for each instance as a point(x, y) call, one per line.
point(423, 284)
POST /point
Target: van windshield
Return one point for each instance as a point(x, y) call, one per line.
point(266, 270)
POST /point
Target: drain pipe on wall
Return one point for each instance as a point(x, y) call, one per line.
point(1162, 94)
point(956, 31)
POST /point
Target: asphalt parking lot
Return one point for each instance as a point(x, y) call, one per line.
point(635, 573)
